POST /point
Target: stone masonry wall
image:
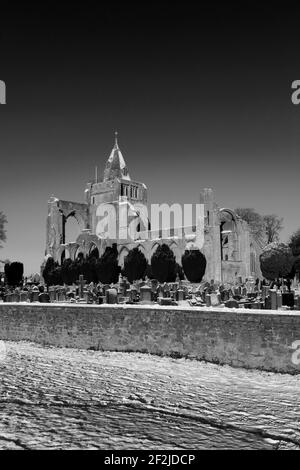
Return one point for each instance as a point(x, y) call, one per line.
point(240, 338)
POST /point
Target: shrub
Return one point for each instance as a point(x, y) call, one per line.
point(14, 273)
point(295, 243)
point(135, 265)
point(276, 261)
point(107, 268)
point(194, 265)
point(163, 264)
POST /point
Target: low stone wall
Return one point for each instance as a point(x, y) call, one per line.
point(253, 339)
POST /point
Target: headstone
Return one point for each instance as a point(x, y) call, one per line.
point(244, 291)
point(44, 297)
point(52, 294)
point(81, 283)
point(34, 296)
point(237, 291)
point(8, 297)
point(180, 295)
point(297, 302)
point(265, 291)
point(166, 301)
point(279, 300)
point(207, 300)
point(231, 303)
point(62, 295)
point(288, 299)
point(145, 295)
point(273, 298)
point(24, 296)
point(214, 299)
point(268, 303)
point(112, 296)
point(15, 297)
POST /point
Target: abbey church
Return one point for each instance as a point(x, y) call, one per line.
point(231, 250)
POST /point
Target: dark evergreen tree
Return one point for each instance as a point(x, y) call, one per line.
point(194, 265)
point(14, 273)
point(107, 268)
point(52, 273)
point(135, 265)
point(163, 264)
point(295, 243)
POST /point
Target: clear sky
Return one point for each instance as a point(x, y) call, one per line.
point(201, 97)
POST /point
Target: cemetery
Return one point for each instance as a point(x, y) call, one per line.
point(250, 294)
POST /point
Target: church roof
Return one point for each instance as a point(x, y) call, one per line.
point(115, 165)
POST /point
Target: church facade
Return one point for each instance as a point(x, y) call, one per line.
point(231, 250)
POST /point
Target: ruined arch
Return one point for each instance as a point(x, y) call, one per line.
point(229, 235)
point(122, 255)
point(79, 253)
point(93, 251)
point(72, 227)
point(176, 250)
point(153, 250)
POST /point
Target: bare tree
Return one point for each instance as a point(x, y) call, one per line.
point(273, 225)
point(254, 220)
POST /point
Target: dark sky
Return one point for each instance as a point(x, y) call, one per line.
point(201, 97)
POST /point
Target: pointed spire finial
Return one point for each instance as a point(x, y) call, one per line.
point(116, 139)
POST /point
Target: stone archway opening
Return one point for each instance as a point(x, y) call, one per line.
point(71, 228)
point(94, 252)
point(228, 236)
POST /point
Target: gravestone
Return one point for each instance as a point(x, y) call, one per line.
point(273, 298)
point(15, 297)
point(268, 303)
point(231, 303)
point(81, 283)
point(265, 292)
point(8, 297)
point(288, 299)
point(52, 294)
point(34, 297)
point(24, 297)
point(279, 300)
point(166, 301)
point(112, 296)
point(44, 298)
point(297, 302)
point(90, 297)
point(214, 299)
point(244, 291)
point(207, 300)
point(62, 295)
point(180, 295)
point(145, 295)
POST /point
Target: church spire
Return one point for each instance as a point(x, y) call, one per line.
point(116, 140)
point(115, 165)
